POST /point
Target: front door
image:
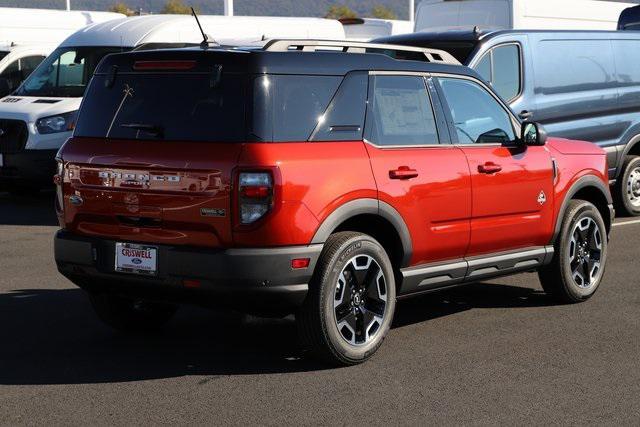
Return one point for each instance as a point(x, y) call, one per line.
point(512, 184)
point(427, 182)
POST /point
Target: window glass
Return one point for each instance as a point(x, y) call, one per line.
point(65, 73)
point(484, 67)
point(171, 106)
point(401, 112)
point(477, 115)
point(28, 64)
point(289, 107)
point(506, 71)
point(12, 74)
point(344, 119)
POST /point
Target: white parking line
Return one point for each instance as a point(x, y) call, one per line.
point(635, 221)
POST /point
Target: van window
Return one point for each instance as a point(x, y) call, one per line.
point(444, 15)
point(288, 108)
point(565, 66)
point(344, 119)
point(501, 67)
point(477, 115)
point(65, 73)
point(627, 54)
point(170, 106)
point(400, 112)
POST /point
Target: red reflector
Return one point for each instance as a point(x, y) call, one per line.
point(256, 192)
point(191, 283)
point(163, 65)
point(57, 179)
point(300, 263)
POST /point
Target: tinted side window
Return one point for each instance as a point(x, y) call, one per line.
point(12, 74)
point(400, 112)
point(29, 63)
point(344, 119)
point(288, 108)
point(477, 115)
point(501, 67)
point(506, 71)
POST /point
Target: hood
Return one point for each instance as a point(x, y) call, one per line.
point(30, 108)
point(568, 146)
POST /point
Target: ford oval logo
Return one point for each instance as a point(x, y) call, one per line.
point(136, 261)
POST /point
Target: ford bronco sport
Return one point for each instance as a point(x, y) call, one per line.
point(324, 179)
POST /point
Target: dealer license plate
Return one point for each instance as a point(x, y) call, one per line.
point(136, 259)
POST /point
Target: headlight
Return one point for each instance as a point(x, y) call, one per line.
point(58, 123)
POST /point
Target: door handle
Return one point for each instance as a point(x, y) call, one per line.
point(403, 172)
point(489, 168)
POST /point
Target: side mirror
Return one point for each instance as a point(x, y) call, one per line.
point(5, 87)
point(533, 134)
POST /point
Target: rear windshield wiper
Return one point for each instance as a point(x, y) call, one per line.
point(155, 130)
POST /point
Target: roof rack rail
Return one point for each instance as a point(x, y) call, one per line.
point(287, 45)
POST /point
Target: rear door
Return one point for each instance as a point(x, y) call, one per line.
point(425, 181)
point(512, 186)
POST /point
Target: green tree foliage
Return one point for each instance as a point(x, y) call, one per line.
point(383, 12)
point(176, 7)
point(340, 12)
point(122, 7)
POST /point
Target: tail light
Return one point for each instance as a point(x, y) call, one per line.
point(58, 180)
point(255, 195)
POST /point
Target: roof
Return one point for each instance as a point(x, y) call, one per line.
point(131, 32)
point(261, 61)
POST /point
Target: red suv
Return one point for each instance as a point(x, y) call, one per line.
point(318, 178)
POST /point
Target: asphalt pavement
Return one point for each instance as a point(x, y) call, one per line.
point(490, 353)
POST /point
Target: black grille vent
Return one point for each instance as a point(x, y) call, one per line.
point(13, 136)
point(12, 99)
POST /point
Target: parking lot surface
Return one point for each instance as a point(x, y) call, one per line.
point(497, 352)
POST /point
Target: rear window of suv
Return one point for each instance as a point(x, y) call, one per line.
point(183, 106)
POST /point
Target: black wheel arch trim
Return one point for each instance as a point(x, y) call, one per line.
point(363, 207)
point(581, 183)
point(625, 152)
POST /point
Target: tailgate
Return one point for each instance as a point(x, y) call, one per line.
point(175, 193)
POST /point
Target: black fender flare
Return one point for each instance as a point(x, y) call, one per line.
point(581, 183)
point(627, 148)
point(362, 207)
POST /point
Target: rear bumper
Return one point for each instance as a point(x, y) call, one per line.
point(251, 280)
point(28, 168)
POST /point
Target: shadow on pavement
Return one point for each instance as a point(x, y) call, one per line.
point(36, 209)
point(53, 337)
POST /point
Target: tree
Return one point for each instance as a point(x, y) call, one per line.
point(340, 12)
point(123, 8)
point(176, 7)
point(383, 12)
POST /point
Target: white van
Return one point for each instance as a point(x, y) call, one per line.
point(365, 29)
point(440, 15)
point(40, 115)
point(27, 36)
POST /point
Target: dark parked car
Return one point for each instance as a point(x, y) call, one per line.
point(630, 19)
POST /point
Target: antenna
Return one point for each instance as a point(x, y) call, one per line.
point(205, 39)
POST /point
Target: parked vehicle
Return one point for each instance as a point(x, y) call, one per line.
point(441, 15)
point(630, 19)
point(40, 115)
point(365, 29)
point(594, 95)
point(27, 36)
point(251, 178)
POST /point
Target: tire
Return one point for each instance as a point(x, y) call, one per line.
point(581, 246)
point(131, 315)
point(347, 313)
point(628, 187)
